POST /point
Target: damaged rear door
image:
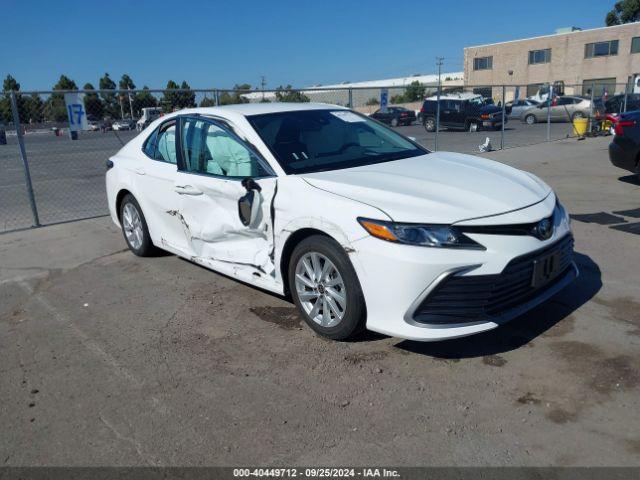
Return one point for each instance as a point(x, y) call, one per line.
point(226, 191)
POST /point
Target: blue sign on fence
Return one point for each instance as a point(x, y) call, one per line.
point(384, 99)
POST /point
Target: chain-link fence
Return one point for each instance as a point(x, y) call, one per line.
point(49, 174)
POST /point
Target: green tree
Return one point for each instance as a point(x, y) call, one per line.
point(170, 99)
point(143, 99)
point(9, 84)
point(34, 108)
point(287, 94)
point(92, 103)
point(229, 98)
point(126, 83)
point(414, 92)
point(54, 108)
point(208, 102)
point(111, 107)
point(186, 99)
point(625, 11)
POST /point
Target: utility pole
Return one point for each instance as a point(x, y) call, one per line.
point(263, 83)
point(130, 102)
point(439, 62)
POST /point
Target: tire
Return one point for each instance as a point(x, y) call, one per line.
point(473, 126)
point(138, 238)
point(306, 292)
point(394, 122)
point(530, 119)
point(430, 124)
point(577, 115)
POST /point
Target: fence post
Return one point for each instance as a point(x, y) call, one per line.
point(23, 155)
point(215, 98)
point(593, 88)
point(626, 92)
point(435, 142)
point(504, 107)
point(350, 98)
point(549, 98)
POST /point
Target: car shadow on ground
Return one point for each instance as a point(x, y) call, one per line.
point(523, 329)
point(632, 179)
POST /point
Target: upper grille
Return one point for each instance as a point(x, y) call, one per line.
point(482, 297)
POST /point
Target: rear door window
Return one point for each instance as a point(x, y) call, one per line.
point(161, 144)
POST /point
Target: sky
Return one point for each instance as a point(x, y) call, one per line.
point(216, 44)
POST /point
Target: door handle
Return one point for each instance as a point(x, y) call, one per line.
point(140, 171)
point(187, 190)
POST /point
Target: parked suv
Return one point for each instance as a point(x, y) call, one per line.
point(463, 111)
point(616, 104)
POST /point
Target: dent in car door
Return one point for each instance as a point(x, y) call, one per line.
point(214, 161)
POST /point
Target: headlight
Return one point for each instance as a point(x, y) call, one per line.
point(441, 236)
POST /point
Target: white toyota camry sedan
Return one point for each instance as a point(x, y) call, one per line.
point(361, 226)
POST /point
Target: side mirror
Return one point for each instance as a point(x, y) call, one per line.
point(249, 203)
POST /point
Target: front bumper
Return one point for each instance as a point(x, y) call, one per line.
point(396, 279)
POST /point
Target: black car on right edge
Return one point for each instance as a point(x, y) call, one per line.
point(464, 111)
point(624, 150)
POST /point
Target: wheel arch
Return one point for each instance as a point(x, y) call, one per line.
point(290, 244)
point(119, 197)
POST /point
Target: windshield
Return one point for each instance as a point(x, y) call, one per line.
point(316, 140)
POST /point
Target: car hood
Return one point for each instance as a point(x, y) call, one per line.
point(442, 187)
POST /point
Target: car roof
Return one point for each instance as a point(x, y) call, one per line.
point(247, 109)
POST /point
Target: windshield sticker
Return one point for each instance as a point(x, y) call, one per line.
point(347, 116)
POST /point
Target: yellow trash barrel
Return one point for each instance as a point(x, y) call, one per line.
point(580, 126)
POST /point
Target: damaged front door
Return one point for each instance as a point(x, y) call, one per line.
point(219, 178)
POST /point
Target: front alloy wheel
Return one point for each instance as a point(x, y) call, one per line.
point(321, 290)
point(325, 288)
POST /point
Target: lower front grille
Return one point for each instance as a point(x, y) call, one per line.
point(483, 297)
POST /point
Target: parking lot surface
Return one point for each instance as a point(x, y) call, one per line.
point(110, 359)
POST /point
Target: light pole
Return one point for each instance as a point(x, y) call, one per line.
point(439, 61)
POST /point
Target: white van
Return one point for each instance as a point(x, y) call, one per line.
point(149, 114)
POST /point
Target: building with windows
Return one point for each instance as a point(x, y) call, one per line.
point(575, 61)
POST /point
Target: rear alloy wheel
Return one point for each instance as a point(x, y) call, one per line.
point(325, 288)
point(473, 127)
point(134, 227)
point(530, 119)
point(430, 124)
point(394, 122)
